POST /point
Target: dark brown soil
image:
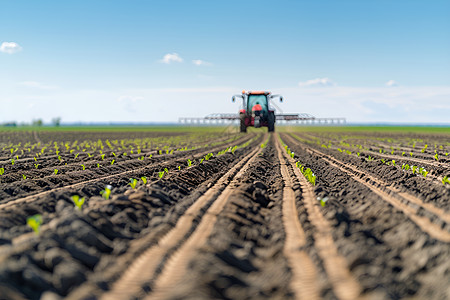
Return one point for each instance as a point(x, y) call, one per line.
point(81, 254)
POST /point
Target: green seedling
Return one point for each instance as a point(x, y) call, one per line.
point(35, 222)
point(150, 156)
point(103, 156)
point(55, 171)
point(114, 154)
point(436, 157)
point(358, 154)
point(410, 154)
point(160, 152)
point(189, 162)
point(2, 171)
point(201, 160)
point(98, 165)
point(393, 162)
point(76, 155)
point(403, 153)
point(36, 166)
point(83, 166)
point(24, 176)
point(445, 180)
point(322, 201)
point(381, 150)
point(13, 161)
point(166, 170)
point(35, 159)
point(405, 167)
point(179, 168)
point(424, 148)
point(112, 162)
point(161, 174)
point(413, 169)
point(59, 158)
point(77, 201)
point(144, 179)
point(370, 158)
point(106, 192)
point(133, 183)
point(383, 161)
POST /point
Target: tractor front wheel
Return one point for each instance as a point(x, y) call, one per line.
point(243, 126)
point(271, 121)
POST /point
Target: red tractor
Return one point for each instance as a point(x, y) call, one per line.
point(256, 111)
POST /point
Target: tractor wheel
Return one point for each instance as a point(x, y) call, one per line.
point(243, 126)
point(271, 122)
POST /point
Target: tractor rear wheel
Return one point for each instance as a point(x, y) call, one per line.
point(243, 126)
point(271, 121)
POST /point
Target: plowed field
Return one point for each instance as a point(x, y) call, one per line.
point(215, 214)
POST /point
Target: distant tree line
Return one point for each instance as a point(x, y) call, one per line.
point(36, 123)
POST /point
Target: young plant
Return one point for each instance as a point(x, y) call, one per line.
point(112, 162)
point(424, 148)
point(106, 192)
point(98, 165)
point(189, 162)
point(2, 171)
point(133, 183)
point(144, 179)
point(24, 176)
point(55, 171)
point(83, 166)
point(13, 161)
point(103, 156)
point(161, 174)
point(35, 222)
point(179, 168)
point(77, 201)
point(413, 169)
point(436, 157)
point(76, 155)
point(410, 154)
point(393, 162)
point(322, 201)
point(445, 180)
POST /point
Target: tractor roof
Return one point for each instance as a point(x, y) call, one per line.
point(255, 92)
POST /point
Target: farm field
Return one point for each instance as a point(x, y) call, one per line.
point(199, 213)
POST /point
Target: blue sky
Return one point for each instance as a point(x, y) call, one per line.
point(155, 61)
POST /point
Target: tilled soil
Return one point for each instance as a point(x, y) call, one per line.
point(243, 224)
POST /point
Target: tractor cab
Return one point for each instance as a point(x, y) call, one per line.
point(256, 111)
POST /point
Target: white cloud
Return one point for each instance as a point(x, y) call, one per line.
point(199, 62)
point(130, 98)
point(10, 47)
point(392, 83)
point(318, 82)
point(171, 57)
point(38, 85)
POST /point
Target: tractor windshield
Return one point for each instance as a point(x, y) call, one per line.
point(257, 99)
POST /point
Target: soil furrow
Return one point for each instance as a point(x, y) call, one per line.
point(34, 197)
point(304, 277)
point(344, 284)
point(424, 223)
point(146, 266)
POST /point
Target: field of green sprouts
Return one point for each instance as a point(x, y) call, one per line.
point(195, 213)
